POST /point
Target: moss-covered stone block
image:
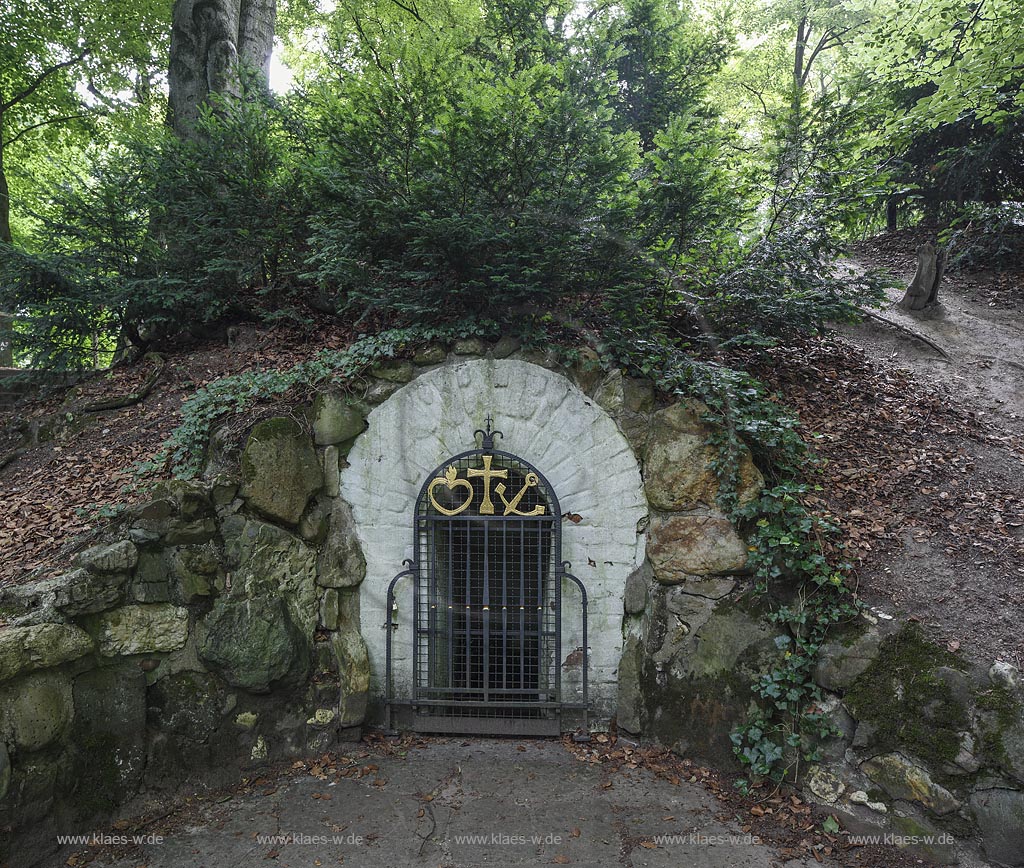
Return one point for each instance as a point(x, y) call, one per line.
point(268, 562)
point(35, 710)
point(329, 609)
point(33, 788)
point(910, 707)
point(353, 676)
point(335, 420)
point(378, 391)
point(923, 839)
point(678, 464)
point(141, 629)
point(189, 704)
point(629, 402)
point(108, 737)
point(280, 470)
point(469, 347)
point(700, 659)
point(1000, 712)
point(5, 770)
point(82, 592)
point(999, 814)
point(150, 583)
point(193, 572)
point(191, 498)
point(340, 563)
point(25, 649)
point(394, 372)
point(694, 544)
point(118, 557)
point(634, 598)
point(629, 699)
point(903, 779)
point(840, 663)
point(253, 644)
point(505, 346)
point(432, 354)
point(314, 522)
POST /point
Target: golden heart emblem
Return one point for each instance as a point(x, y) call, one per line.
point(451, 480)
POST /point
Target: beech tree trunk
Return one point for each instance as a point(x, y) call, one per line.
point(892, 210)
point(213, 42)
point(5, 194)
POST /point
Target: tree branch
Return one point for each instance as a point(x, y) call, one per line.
point(411, 9)
point(44, 123)
point(757, 93)
point(116, 403)
point(821, 46)
point(39, 79)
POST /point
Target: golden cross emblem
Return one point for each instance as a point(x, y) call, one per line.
point(487, 506)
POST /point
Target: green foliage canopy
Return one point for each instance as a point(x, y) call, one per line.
point(64, 64)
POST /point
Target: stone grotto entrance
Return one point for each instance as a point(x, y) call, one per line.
point(255, 615)
point(487, 598)
point(483, 632)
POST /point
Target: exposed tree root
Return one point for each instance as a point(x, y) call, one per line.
point(119, 401)
point(8, 457)
point(914, 334)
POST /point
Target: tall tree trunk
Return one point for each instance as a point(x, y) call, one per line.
point(802, 32)
point(6, 350)
point(5, 193)
point(211, 42)
point(256, 22)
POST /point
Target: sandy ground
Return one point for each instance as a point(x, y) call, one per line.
point(985, 345)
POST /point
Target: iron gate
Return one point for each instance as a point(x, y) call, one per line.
point(487, 601)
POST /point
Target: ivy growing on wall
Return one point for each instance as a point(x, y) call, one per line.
point(185, 450)
point(787, 541)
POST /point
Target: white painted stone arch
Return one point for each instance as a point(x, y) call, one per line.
point(549, 422)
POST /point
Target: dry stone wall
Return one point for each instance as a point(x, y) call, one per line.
point(926, 747)
point(215, 630)
point(231, 621)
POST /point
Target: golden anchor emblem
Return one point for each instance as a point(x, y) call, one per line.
point(512, 506)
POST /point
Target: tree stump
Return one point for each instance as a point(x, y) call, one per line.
point(923, 291)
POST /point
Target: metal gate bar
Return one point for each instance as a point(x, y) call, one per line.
point(487, 601)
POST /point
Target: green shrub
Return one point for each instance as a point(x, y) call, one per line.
point(482, 177)
point(160, 237)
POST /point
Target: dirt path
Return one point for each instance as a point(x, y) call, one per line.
point(971, 595)
point(985, 343)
